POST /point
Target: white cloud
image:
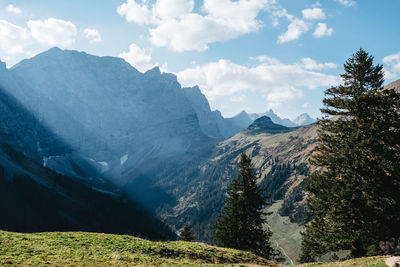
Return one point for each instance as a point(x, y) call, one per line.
point(322, 30)
point(13, 39)
point(13, 10)
point(311, 64)
point(53, 32)
point(313, 13)
point(134, 12)
point(392, 66)
point(138, 57)
point(173, 24)
point(278, 82)
point(295, 29)
point(170, 9)
point(92, 35)
point(347, 3)
point(296, 26)
point(17, 41)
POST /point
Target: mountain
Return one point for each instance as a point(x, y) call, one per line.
point(304, 119)
point(110, 108)
point(301, 120)
point(198, 182)
point(231, 126)
point(264, 124)
point(36, 198)
point(207, 119)
point(395, 85)
point(276, 119)
point(140, 132)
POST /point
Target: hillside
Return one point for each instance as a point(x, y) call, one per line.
point(280, 156)
point(89, 249)
point(359, 262)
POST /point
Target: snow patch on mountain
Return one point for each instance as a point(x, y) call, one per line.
point(123, 159)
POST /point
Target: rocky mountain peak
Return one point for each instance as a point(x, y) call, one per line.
point(304, 119)
point(265, 124)
point(395, 85)
point(153, 72)
point(3, 66)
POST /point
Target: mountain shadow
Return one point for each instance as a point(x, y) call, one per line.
point(34, 198)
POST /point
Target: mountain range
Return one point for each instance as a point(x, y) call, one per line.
point(90, 143)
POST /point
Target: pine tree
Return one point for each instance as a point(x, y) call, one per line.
point(354, 200)
point(186, 234)
point(241, 224)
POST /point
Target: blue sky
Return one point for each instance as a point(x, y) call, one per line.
point(244, 54)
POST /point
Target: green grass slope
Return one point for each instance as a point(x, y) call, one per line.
point(92, 249)
point(286, 236)
point(378, 261)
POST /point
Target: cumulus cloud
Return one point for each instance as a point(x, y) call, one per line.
point(135, 12)
point(138, 57)
point(53, 32)
point(392, 66)
point(311, 64)
point(295, 29)
point(92, 35)
point(347, 3)
point(13, 39)
point(322, 31)
point(173, 24)
point(13, 10)
point(170, 9)
point(299, 26)
point(278, 82)
point(21, 41)
point(313, 13)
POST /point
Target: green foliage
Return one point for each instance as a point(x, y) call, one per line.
point(354, 201)
point(93, 249)
point(290, 207)
point(241, 224)
point(359, 262)
point(186, 234)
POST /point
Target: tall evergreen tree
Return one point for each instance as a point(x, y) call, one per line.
point(186, 234)
point(241, 224)
point(354, 200)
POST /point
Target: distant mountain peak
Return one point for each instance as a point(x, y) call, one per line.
point(304, 119)
point(153, 72)
point(242, 113)
point(3, 66)
point(394, 85)
point(54, 49)
point(264, 124)
point(263, 121)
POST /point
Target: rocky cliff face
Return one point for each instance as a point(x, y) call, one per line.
point(36, 198)
point(304, 119)
point(207, 119)
point(104, 108)
point(20, 129)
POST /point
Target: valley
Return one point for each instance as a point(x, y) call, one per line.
point(91, 144)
